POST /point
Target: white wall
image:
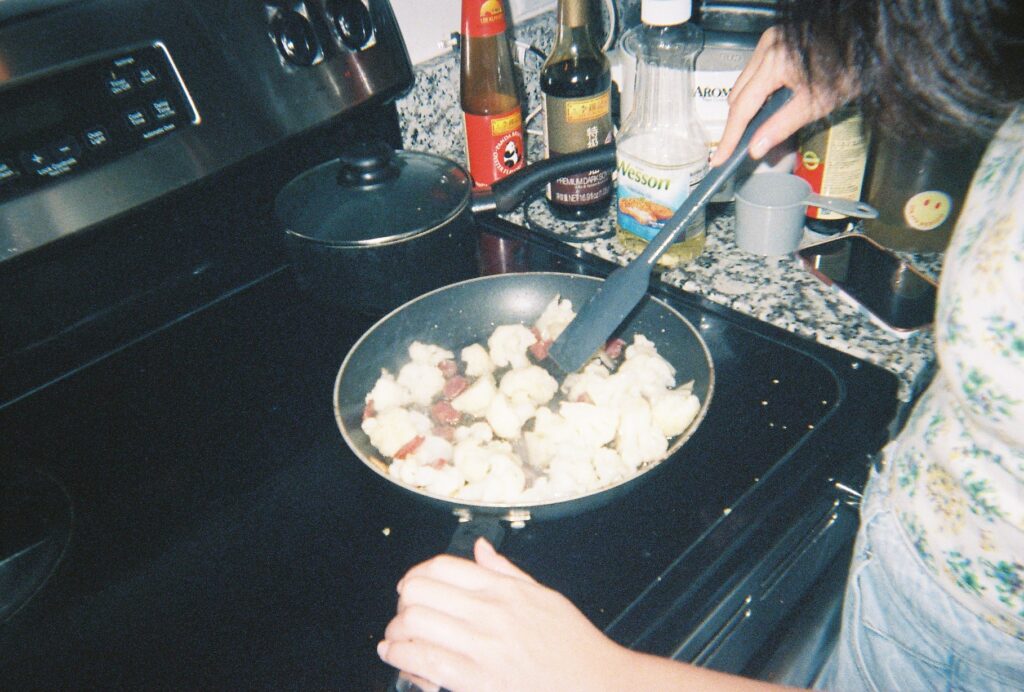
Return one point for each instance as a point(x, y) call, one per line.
point(427, 24)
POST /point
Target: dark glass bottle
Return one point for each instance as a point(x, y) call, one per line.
point(576, 86)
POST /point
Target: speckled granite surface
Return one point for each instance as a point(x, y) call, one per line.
point(773, 289)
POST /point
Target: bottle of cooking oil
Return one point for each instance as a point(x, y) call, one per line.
point(662, 147)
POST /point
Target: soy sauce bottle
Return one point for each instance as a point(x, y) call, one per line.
point(488, 94)
point(576, 88)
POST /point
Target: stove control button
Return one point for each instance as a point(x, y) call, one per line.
point(8, 172)
point(96, 137)
point(294, 38)
point(37, 160)
point(136, 118)
point(146, 75)
point(163, 109)
point(352, 21)
point(117, 84)
point(66, 149)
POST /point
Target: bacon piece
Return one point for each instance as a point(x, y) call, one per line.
point(438, 463)
point(540, 349)
point(446, 432)
point(444, 413)
point(449, 368)
point(613, 347)
point(454, 386)
point(409, 447)
point(584, 398)
point(368, 410)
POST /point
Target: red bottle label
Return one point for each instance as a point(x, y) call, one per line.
point(494, 145)
point(480, 19)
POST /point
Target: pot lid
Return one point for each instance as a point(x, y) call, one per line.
point(373, 194)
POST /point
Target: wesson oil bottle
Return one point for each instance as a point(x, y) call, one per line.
point(576, 86)
point(662, 148)
point(488, 95)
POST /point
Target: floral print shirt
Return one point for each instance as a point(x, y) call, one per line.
point(958, 466)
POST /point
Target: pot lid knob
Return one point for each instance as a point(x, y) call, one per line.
point(366, 164)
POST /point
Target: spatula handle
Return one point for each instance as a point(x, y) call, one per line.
point(711, 183)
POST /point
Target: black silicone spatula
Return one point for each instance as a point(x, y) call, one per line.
point(625, 286)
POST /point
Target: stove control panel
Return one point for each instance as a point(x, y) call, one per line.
point(88, 114)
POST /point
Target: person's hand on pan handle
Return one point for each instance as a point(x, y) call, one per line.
point(485, 624)
point(770, 67)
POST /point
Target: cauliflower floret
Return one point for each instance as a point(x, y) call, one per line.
point(508, 344)
point(674, 410)
point(507, 417)
point(471, 458)
point(549, 432)
point(592, 425)
point(639, 440)
point(478, 361)
point(572, 471)
point(479, 432)
point(532, 383)
point(477, 397)
point(446, 480)
point(423, 382)
point(440, 480)
point(556, 316)
point(428, 354)
point(609, 466)
point(403, 471)
point(538, 491)
point(387, 393)
point(393, 429)
point(503, 482)
point(432, 451)
point(594, 384)
point(645, 371)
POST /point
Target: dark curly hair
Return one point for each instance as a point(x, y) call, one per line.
point(920, 68)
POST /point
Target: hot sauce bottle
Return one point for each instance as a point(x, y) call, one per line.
point(488, 95)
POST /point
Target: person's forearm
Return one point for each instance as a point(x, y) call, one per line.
point(639, 671)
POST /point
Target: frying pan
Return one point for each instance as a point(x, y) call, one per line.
point(461, 314)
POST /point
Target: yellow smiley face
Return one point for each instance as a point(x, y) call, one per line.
point(927, 210)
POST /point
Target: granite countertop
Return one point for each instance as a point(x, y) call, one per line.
point(777, 290)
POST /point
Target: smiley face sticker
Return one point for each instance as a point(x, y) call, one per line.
point(927, 210)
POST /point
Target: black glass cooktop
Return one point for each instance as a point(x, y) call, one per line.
point(222, 535)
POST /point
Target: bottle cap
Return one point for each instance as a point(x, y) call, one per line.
point(665, 12)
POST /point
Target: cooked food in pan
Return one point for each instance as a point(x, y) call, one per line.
point(493, 425)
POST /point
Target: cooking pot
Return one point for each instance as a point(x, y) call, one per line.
point(466, 313)
point(376, 227)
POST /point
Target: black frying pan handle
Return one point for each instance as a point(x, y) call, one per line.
point(507, 193)
point(461, 545)
point(471, 529)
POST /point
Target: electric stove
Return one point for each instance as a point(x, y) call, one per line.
point(180, 510)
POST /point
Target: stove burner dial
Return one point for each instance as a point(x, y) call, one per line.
point(352, 21)
point(293, 35)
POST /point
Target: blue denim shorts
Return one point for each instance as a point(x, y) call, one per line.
point(900, 628)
